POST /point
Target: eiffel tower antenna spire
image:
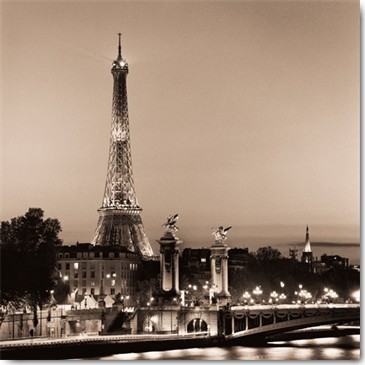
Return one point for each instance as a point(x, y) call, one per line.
point(120, 47)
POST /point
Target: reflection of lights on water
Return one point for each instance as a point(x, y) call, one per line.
point(174, 353)
point(278, 342)
point(355, 338)
point(248, 353)
point(301, 342)
point(194, 351)
point(332, 353)
point(217, 353)
point(153, 355)
point(131, 356)
point(325, 341)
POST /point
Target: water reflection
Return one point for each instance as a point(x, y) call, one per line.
point(344, 348)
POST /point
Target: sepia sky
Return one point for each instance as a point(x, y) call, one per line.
point(242, 113)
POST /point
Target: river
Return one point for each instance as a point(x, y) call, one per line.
point(329, 348)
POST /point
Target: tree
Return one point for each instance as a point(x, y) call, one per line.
point(268, 254)
point(28, 258)
point(145, 290)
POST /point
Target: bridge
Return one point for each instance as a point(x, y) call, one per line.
point(242, 324)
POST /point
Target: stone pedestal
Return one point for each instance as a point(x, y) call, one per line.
point(219, 271)
point(169, 265)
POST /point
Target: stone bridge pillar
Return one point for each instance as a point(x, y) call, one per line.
point(169, 263)
point(219, 271)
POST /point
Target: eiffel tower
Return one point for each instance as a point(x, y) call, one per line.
point(120, 222)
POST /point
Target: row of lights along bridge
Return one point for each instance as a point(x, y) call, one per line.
point(302, 296)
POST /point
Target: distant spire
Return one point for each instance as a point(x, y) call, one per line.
point(119, 47)
point(307, 247)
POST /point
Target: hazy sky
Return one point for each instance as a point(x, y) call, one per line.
point(242, 113)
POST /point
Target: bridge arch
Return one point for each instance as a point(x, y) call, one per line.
point(243, 322)
point(197, 325)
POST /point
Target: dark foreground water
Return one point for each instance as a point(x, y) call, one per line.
point(343, 348)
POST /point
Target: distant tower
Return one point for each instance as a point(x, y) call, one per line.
point(307, 256)
point(120, 220)
point(219, 265)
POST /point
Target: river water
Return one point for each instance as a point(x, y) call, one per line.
point(343, 348)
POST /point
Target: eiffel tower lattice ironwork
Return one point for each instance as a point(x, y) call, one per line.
point(120, 220)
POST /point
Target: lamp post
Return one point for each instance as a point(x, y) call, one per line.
point(274, 296)
point(282, 297)
point(300, 286)
point(13, 322)
point(246, 296)
point(282, 285)
point(148, 318)
point(356, 295)
point(257, 292)
point(332, 295)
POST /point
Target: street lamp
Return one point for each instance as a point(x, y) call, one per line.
point(257, 291)
point(356, 295)
point(302, 295)
point(274, 296)
point(282, 284)
point(282, 297)
point(332, 295)
point(246, 296)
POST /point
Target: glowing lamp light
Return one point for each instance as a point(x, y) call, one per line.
point(356, 295)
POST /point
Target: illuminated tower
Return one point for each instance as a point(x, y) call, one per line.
point(120, 220)
point(307, 255)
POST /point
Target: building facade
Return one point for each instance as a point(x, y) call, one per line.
point(99, 270)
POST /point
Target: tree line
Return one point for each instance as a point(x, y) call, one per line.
point(28, 250)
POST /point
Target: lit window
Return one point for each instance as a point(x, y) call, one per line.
point(76, 265)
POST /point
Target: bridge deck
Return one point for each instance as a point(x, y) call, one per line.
point(264, 320)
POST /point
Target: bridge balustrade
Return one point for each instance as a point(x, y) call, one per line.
point(241, 319)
